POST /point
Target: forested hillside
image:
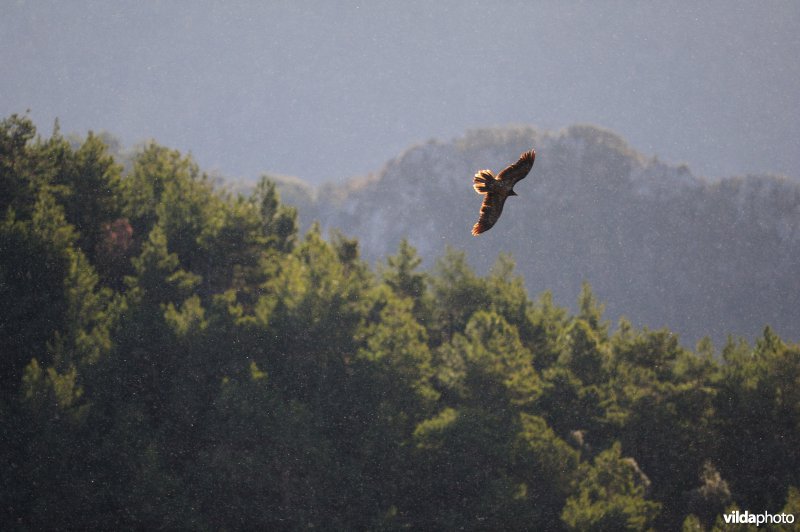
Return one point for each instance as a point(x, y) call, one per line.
point(657, 244)
point(175, 356)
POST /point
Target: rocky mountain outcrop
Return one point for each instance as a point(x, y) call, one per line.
point(658, 244)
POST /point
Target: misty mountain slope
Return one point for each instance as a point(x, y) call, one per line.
point(659, 245)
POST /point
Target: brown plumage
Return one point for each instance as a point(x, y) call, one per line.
point(495, 190)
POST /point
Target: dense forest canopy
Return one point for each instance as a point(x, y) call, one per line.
point(175, 356)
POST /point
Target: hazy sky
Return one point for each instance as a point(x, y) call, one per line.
point(327, 90)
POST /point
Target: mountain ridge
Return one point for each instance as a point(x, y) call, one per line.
point(658, 244)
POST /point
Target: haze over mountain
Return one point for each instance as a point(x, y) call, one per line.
point(658, 244)
point(327, 90)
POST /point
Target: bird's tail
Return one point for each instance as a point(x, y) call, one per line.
point(481, 181)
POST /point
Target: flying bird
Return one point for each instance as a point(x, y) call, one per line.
point(495, 190)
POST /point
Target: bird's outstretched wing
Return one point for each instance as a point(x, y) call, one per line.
point(491, 209)
point(519, 169)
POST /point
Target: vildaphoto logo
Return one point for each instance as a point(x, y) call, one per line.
point(765, 518)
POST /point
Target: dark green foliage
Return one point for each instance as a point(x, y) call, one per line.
point(279, 222)
point(759, 402)
point(610, 496)
point(35, 262)
point(176, 357)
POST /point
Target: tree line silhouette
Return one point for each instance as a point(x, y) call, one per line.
point(177, 356)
